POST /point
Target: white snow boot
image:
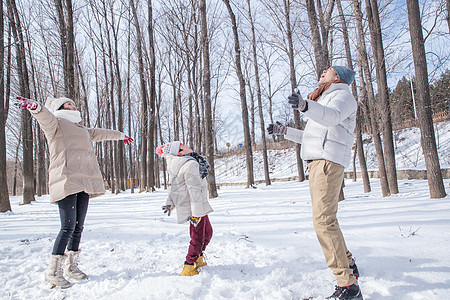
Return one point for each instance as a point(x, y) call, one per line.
point(55, 271)
point(71, 269)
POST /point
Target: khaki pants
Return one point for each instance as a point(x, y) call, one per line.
point(325, 180)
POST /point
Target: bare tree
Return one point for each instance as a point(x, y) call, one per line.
point(144, 98)
point(24, 88)
point(5, 205)
point(293, 80)
point(245, 123)
point(362, 57)
point(258, 96)
point(383, 93)
point(359, 149)
point(424, 113)
point(448, 14)
point(65, 21)
point(207, 98)
point(40, 145)
point(130, 153)
point(319, 37)
point(151, 119)
point(271, 88)
point(119, 146)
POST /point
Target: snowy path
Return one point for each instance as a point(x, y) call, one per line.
point(263, 247)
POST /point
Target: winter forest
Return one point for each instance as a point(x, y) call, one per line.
point(214, 74)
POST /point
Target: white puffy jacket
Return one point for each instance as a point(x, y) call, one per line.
point(329, 131)
point(188, 191)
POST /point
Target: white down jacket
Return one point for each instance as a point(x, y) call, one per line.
point(329, 131)
point(188, 191)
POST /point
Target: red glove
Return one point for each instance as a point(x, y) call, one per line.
point(26, 103)
point(159, 149)
point(127, 140)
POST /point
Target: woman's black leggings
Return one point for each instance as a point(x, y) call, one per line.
point(72, 211)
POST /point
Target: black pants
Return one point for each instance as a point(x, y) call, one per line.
point(72, 211)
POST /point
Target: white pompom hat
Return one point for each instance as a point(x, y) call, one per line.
point(53, 104)
point(171, 148)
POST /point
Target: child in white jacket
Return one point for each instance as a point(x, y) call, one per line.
point(189, 195)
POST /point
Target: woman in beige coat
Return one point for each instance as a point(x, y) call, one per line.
point(74, 177)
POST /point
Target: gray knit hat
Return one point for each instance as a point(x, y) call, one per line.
point(345, 74)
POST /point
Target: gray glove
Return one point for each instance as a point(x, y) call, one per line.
point(277, 129)
point(167, 209)
point(297, 102)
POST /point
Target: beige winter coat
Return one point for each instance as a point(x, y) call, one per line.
point(188, 191)
point(73, 164)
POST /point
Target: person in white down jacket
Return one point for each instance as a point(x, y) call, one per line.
point(326, 146)
point(189, 195)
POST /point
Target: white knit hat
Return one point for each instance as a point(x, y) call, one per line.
point(53, 104)
point(171, 148)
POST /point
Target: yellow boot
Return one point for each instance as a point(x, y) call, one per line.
point(201, 262)
point(189, 270)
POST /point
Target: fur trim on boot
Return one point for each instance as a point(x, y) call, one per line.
point(71, 269)
point(55, 271)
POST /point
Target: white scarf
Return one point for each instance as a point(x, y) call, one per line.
point(73, 116)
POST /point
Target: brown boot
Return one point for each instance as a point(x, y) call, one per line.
point(189, 270)
point(201, 261)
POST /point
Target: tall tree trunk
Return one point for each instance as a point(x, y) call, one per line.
point(70, 52)
point(258, 96)
point(252, 111)
point(360, 151)
point(319, 52)
point(359, 143)
point(65, 21)
point(448, 14)
point(383, 92)
point(119, 146)
point(190, 105)
point(151, 136)
point(130, 151)
point(111, 106)
point(293, 80)
point(109, 92)
point(424, 113)
point(84, 98)
point(325, 28)
point(16, 163)
point(5, 205)
point(144, 120)
point(24, 88)
point(245, 123)
point(39, 147)
point(362, 54)
point(160, 129)
point(207, 96)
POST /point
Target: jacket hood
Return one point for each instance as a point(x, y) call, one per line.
point(174, 163)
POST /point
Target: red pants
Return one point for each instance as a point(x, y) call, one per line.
point(200, 237)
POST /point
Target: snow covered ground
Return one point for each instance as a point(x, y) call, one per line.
point(264, 246)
